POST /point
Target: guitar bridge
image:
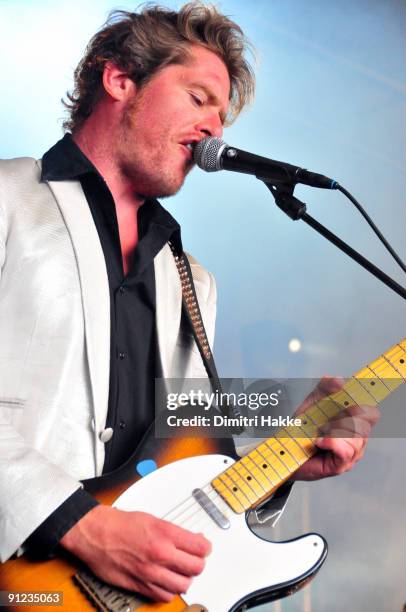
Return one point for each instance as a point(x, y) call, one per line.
point(105, 597)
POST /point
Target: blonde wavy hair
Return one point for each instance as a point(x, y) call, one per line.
point(142, 43)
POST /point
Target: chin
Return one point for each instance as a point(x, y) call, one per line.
point(163, 188)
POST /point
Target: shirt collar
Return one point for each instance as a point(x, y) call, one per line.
point(65, 161)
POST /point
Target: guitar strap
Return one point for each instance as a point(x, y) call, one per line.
point(271, 510)
point(195, 321)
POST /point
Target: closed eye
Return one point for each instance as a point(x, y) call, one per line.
point(196, 99)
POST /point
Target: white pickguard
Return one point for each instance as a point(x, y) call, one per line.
point(240, 562)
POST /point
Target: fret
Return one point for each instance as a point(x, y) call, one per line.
point(240, 483)
point(233, 490)
point(228, 495)
point(247, 476)
point(290, 443)
point(372, 384)
point(309, 427)
point(397, 357)
point(317, 416)
point(383, 369)
point(358, 394)
point(328, 406)
point(387, 373)
point(278, 467)
point(300, 436)
point(276, 461)
point(264, 452)
point(268, 471)
point(282, 454)
point(257, 471)
point(343, 399)
point(231, 493)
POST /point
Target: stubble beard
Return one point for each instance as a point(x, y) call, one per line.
point(150, 183)
point(152, 177)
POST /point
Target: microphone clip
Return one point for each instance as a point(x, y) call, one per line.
point(284, 198)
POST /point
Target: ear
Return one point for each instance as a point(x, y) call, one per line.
point(117, 83)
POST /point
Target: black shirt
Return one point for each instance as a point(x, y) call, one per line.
point(133, 365)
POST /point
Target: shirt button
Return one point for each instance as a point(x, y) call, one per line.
point(121, 355)
point(106, 435)
point(122, 290)
point(122, 424)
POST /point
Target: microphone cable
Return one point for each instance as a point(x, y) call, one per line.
point(372, 225)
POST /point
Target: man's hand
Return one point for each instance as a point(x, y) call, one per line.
point(345, 437)
point(137, 551)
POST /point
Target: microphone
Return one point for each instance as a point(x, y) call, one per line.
point(212, 154)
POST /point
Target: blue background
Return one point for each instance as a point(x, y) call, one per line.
point(331, 97)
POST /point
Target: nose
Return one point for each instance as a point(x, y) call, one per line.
point(211, 125)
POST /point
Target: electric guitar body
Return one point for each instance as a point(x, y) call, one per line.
point(241, 569)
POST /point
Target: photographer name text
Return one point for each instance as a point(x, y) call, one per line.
point(240, 421)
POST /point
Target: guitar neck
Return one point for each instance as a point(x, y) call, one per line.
point(259, 473)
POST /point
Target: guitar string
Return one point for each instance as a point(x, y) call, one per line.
point(181, 504)
point(212, 495)
point(194, 506)
point(198, 512)
point(199, 516)
point(202, 513)
point(181, 519)
point(197, 509)
point(212, 492)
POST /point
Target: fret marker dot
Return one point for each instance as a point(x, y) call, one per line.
point(304, 423)
point(372, 382)
point(235, 489)
point(346, 403)
point(282, 452)
point(402, 361)
point(248, 477)
point(265, 466)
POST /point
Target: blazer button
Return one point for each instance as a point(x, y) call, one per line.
point(106, 434)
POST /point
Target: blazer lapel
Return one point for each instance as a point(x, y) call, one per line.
point(168, 307)
point(96, 301)
point(95, 294)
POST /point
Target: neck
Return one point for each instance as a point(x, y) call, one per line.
point(257, 475)
point(98, 144)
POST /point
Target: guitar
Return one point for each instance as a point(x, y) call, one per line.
point(199, 484)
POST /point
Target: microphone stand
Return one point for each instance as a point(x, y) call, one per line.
point(295, 209)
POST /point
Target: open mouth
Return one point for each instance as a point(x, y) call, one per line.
point(188, 148)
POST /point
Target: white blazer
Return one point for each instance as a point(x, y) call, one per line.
point(55, 344)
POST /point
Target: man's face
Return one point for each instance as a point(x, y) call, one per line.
point(180, 105)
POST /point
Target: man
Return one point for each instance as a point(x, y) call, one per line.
point(90, 303)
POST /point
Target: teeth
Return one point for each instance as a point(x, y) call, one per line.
point(190, 146)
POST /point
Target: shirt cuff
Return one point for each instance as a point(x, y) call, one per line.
point(43, 542)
